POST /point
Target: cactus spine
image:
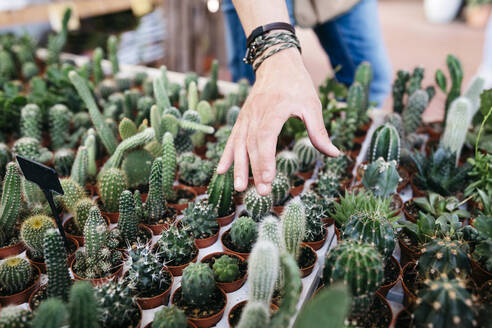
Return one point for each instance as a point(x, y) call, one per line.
point(81, 212)
point(10, 203)
point(457, 122)
point(32, 233)
point(412, 115)
point(16, 274)
point(287, 162)
point(102, 128)
point(51, 313)
point(280, 189)
point(63, 161)
point(14, 316)
point(398, 90)
point(31, 121)
point(256, 205)
point(82, 306)
point(444, 256)
point(293, 226)
point(111, 183)
point(80, 166)
point(59, 280)
point(306, 153)
point(385, 143)
point(128, 220)
point(243, 233)
point(170, 165)
point(263, 270)
point(226, 269)
point(381, 177)
point(198, 284)
point(220, 192)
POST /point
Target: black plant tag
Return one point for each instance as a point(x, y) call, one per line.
point(47, 179)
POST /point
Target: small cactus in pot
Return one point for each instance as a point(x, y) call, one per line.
point(243, 233)
point(198, 284)
point(226, 268)
point(257, 206)
point(287, 162)
point(280, 189)
point(381, 177)
point(16, 274)
point(170, 317)
point(306, 153)
point(33, 231)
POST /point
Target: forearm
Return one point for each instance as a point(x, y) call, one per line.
point(254, 13)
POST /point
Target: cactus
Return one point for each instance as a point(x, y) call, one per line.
point(198, 284)
point(456, 75)
point(161, 95)
point(360, 266)
point(111, 183)
point(94, 232)
point(137, 165)
point(269, 229)
point(63, 161)
point(97, 70)
point(263, 270)
point(183, 143)
point(139, 78)
point(338, 165)
point(473, 93)
point(128, 220)
point(80, 166)
point(176, 246)
point(169, 172)
point(170, 317)
point(81, 212)
point(139, 207)
point(200, 217)
point(192, 95)
point(293, 226)
point(117, 305)
point(385, 143)
point(372, 229)
point(143, 108)
point(106, 88)
point(73, 192)
point(7, 68)
point(395, 120)
point(112, 49)
point(364, 76)
point(287, 162)
point(444, 256)
point(255, 314)
point(59, 280)
point(444, 303)
point(191, 123)
point(82, 306)
point(415, 80)
point(412, 115)
point(280, 189)
point(381, 177)
point(30, 148)
point(456, 127)
point(220, 110)
point(398, 90)
point(243, 233)
point(127, 128)
point(10, 204)
point(257, 206)
point(15, 317)
point(356, 102)
point(51, 313)
point(29, 70)
point(220, 192)
point(316, 209)
point(103, 130)
point(155, 205)
point(32, 233)
point(194, 170)
point(5, 157)
point(57, 42)
point(59, 119)
point(211, 89)
point(328, 184)
point(232, 115)
point(226, 269)
point(16, 274)
point(207, 116)
point(32, 194)
point(306, 153)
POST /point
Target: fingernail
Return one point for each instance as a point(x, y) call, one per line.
point(238, 183)
point(262, 189)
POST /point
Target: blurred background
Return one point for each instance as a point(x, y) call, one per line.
point(186, 35)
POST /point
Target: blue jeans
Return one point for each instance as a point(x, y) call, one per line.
point(348, 40)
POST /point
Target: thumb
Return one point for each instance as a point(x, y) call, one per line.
point(315, 126)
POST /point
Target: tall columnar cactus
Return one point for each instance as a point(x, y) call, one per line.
point(381, 177)
point(385, 143)
point(128, 220)
point(32, 233)
point(293, 226)
point(226, 268)
point(269, 229)
point(155, 205)
point(80, 167)
point(82, 306)
point(356, 102)
point(32, 194)
point(57, 42)
point(395, 120)
point(31, 121)
point(170, 165)
point(445, 303)
point(5, 157)
point(137, 165)
point(111, 183)
point(412, 115)
point(10, 204)
point(263, 270)
point(457, 122)
point(73, 192)
point(198, 284)
point(14, 316)
point(371, 229)
point(211, 89)
point(358, 265)
point(287, 162)
point(243, 233)
point(232, 115)
point(90, 143)
point(456, 75)
point(51, 313)
point(113, 54)
point(398, 90)
point(473, 93)
point(81, 212)
point(95, 233)
point(280, 188)
point(16, 274)
point(59, 280)
point(103, 130)
point(127, 128)
point(63, 161)
point(444, 256)
point(220, 192)
point(170, 317)
point(306, 153)
point(255, 314)
point(161, 95)
point(59, 119)
point(256, 205)
point(192, 95)
point(97, 70)
point(415, 81)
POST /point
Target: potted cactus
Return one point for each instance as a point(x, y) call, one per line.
point(288, 164)
point(316, 210)
point(280, 192)
point(220, 195)
point(307, 155)
point(18, 280)
point(194, 171)
point(239, 239)
point(176, 248)
point(203, 302)
point(230, 270)
point(257, 206)
point(170, 317)
point(200, 217)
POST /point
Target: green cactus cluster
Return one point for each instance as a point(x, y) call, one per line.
point(81, 212)
point(59, 123)
point(198, 284)
point(337, 165)
point(399, 89)
point(82, 306)
point(14, 316)
point(31, 121)
point(16, 274)
point(111, 183)
point(444, 256)
point(244, 232)
point(31, 148)
point(170, 317)
point(220, 193)
point(59, 280)
point(316, 209)
point(381, 177)
point(412, 115)
point(287, 162)
point(456, 77)
point(194, 170)
point(257, 206)
point(280, 189)
point(10, 203)
point(117, 305)
point(32, 232)
point(328, 184)
point(306, 153)
point(63, 161)
point(128, 220)
point(385, 143)
point(226, 268)
point(200, 217)
point(176, 246)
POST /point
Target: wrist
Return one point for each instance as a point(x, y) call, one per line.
point(289, 58)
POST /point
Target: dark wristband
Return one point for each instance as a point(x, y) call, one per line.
point(260, 30)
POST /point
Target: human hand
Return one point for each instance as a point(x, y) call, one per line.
point(283, 89)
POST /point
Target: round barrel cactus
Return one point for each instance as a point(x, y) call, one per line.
point(256, 205)
point(16, 274)
point(33, 230)
point(306, 153)
point(198, 284)
point(385, 143)
point(287, 162)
